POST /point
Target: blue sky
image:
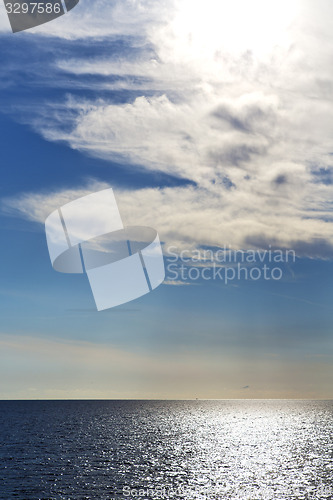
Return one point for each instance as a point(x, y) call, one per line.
point(207, 138)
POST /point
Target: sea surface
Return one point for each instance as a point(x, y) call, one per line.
point(166, 449)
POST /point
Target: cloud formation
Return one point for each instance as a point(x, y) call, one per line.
point(242, 110)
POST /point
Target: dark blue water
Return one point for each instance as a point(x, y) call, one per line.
point(157, 449)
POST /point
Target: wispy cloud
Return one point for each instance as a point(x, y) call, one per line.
point(190, 217)
point(177, 283)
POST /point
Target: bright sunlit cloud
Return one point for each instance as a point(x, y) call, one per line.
point(203, 28)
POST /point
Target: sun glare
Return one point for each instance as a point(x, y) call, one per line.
point(208, 26)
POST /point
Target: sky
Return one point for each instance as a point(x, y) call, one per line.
point(212, 121)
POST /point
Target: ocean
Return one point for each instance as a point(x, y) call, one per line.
point(104, 450)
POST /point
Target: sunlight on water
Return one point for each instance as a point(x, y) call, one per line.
point(253, 450)
point(178, 450)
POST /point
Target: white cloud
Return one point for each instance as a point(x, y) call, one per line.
point(246, 116)
point(176, 283)
point(190, 217)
